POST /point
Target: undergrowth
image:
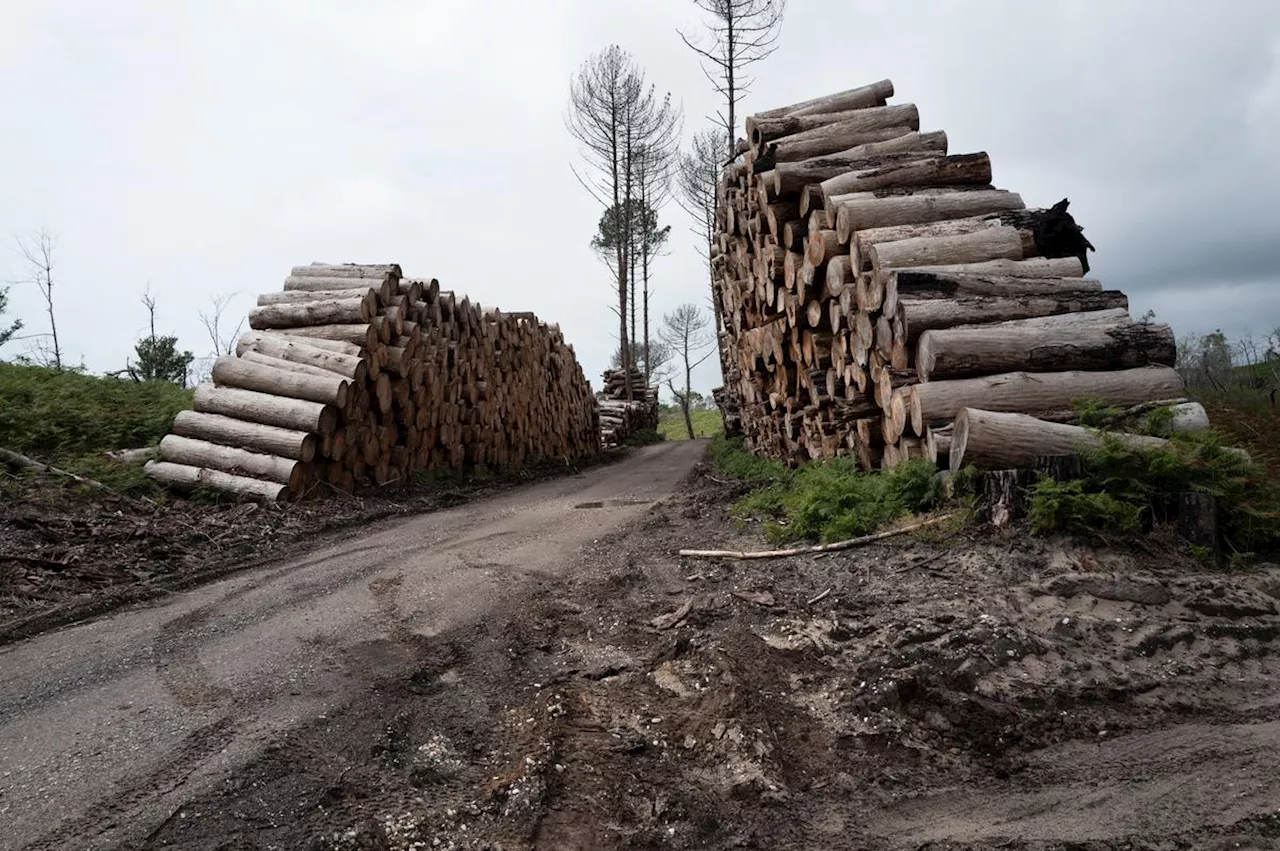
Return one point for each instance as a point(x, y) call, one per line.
point(71, 420)
point(54, 414)
point(824, 501)
point(1125, 490)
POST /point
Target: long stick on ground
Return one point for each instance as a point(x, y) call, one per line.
point(819, 548)
point(16, 459)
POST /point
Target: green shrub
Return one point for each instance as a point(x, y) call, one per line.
point(1066, 506)
point(1122, 486)
point(729, 456)
point(824, 501)
point(66, 414)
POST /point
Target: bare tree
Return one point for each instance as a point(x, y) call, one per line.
point(741, 33)
point(37, 251)
point(697, 184)
point(685, 331)
point(616, 117)
point(212, 322)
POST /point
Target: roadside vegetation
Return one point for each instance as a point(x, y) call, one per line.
point(71, 420)
point(706, 423)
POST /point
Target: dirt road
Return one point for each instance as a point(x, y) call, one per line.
point(109, 728)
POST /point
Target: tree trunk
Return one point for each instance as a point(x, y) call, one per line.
point(302, 350)
point(1101, 340)
point(872, 94)
point(991, 440)
point(386, 286)
point(864, 120)
point(1036, 267)
point(788, 178)
point(829, 139)
point(991, 243)
point(958, 169)
point(1198, 519)
point(861, 242)
point(920, 315)
point(296, 414)
point(246, 375)
point(366, 336)
point(200, 453)
point(287, 443)
point(182, 477)
point(873, 211)
point(1034, 393)
point(300, 313)
point(915, 284)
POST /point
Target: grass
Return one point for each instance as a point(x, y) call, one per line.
point(705, 424)
point(71, 419)
point(824, 501)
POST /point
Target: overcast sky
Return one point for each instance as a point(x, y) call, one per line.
point(206, 148)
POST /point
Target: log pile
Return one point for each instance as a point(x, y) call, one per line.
point(355, 376)
point(874, 285)
point(626, 405)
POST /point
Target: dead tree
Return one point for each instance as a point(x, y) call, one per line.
point(615, 116)
point(697, 178)
point(212, 322)
point(741, 33)
point(37, 251)
point(685, 331)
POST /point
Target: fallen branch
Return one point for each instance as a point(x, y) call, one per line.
point(16, 459)
point(819, 548)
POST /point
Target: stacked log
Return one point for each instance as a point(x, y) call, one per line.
point(355, 376)
point(873, 285)
point(626, 405)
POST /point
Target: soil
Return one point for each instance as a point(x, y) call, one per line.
point(65, 555)
point(940, 690)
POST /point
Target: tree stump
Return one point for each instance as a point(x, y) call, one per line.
point(1060, 468)
point(1198, 519)
point(1003, 497)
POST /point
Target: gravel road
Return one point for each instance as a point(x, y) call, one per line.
point(108, 727)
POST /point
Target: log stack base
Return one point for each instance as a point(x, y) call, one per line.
point(356, 376)
point(873, 285)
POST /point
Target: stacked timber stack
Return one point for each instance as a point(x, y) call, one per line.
point(873, 285)
point(355, 376)
point(627, 405)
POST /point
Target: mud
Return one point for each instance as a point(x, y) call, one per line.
point(65, 556)
point(936, 691)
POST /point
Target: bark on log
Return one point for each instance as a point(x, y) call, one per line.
point(236, 372)
point(264, 408)
point(787, 178)
point(239, 462)
point(386, 287)
point(992, 243)
point(310, 352)
point(182, 477)
point(869, 211)
point(872, 94)
point(862, 120)
point(1036, 267)
point(991, 440)
point(366, 336)
point(920, 315)
point(302, 313)
point(958, 169)
point(1033, 393)
point(820, 141)
point(923, 284)
point(294, 296)
point(348, 270)
point(287, 443)
point(1101, 340)
point(1198, 519)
